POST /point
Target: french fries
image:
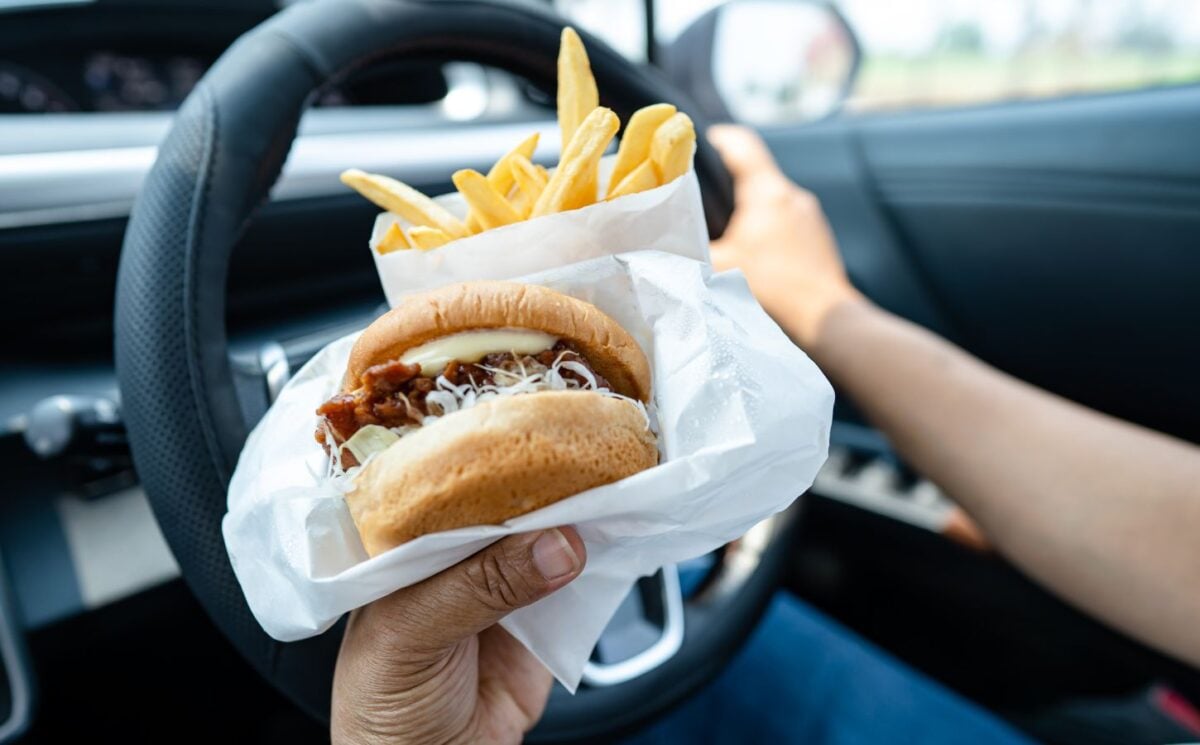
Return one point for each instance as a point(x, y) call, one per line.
point(656, 148)
point(639, 179)
point(501, 176)
point(412, 205)
point(577, 94)
point(579, 158)
point(659, 143)
point(487, 205)
point(531, 181)
point(583, 191)
point(635, 143)
point(577, 98)
point(393, 240)
point(671, 147)
point(425, 237)
point(529, 177)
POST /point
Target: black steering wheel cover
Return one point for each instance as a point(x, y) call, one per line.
point(227, 147)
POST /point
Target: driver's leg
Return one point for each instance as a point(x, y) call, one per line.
point(803, 678)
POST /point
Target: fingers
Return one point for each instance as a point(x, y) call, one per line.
point(743, 151)
point(510, 676)
point(482, 589)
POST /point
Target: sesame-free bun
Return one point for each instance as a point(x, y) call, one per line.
point(496, 461)
point(469, 306)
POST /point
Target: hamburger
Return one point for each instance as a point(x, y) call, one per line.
point(478, 402)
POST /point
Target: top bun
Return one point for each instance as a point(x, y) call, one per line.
point(470, 306)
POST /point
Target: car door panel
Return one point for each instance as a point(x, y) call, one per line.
point(1058, 240)
point(826, 159)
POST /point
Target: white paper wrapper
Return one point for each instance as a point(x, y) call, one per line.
point(669, 218)
point(743, 417)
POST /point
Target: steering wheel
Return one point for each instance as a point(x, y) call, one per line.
point(186, 408)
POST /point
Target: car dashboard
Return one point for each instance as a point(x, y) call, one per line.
point(112, 56)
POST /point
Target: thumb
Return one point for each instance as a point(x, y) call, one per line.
point(476, 593)
point(742, 150)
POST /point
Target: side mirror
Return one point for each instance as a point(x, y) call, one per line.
point(766, 62)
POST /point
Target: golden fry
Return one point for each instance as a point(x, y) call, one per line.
point(579, 161)
point(425, 238)
point(527, 174)
point(577, 94)
point(393, 240)
point(530, 183)
point(639, 179)
point(521, 202)
point(672, 147)
point(402, 199)
point(489, 206)
point(585, 190)
point(635, 142)
point(500, 175)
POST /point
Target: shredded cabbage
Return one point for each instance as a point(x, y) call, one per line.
point(529, 376)
point(524, 375)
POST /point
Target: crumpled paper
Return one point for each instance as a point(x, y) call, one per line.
point(743, 417)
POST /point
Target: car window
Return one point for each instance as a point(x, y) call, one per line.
point(620, 23)
point(928, 53)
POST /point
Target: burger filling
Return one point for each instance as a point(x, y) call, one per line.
point(445, 376)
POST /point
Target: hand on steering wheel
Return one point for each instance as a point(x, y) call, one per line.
point(429, 664)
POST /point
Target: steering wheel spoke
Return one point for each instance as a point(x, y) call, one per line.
point(653, 610)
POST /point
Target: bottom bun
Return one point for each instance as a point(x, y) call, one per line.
point(496, 461)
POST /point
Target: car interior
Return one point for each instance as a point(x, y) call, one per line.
point(1053, 235)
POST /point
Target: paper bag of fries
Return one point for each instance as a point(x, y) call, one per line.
point(521, 218)
point(614, 384)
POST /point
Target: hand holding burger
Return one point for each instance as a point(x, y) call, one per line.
point(427, 664)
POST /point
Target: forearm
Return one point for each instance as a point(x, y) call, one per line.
point(1104, 512)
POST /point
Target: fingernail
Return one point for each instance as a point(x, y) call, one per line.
point(553, 555)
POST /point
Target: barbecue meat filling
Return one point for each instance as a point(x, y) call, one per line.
point(392, 394)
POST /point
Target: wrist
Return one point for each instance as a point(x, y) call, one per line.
point(805, 315)
point(842, 329)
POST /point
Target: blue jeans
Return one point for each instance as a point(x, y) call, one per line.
point(802, 678)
